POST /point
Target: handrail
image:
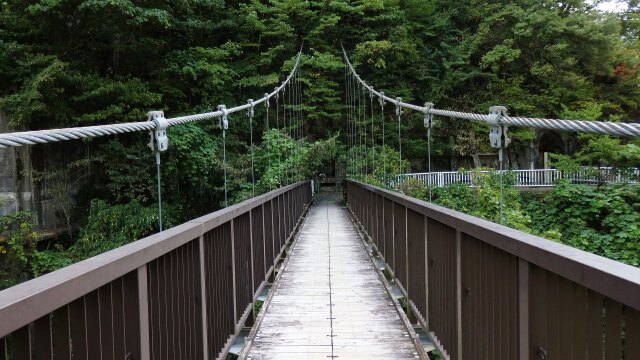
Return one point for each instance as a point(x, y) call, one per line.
point(473, 267)
point(30, 301)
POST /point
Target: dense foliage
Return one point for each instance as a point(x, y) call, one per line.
point(604, 220)
point(87, 62)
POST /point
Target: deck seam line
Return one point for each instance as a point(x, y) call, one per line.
point(326, 203)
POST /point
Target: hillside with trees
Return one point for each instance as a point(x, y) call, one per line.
point(70, 63)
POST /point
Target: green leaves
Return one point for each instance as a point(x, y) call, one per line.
point(603, 220)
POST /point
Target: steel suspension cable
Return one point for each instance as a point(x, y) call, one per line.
point(15, 139)
point(629, 129)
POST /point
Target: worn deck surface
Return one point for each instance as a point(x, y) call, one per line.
point(329, 301)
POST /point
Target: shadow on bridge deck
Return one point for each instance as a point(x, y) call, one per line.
point(329, 302)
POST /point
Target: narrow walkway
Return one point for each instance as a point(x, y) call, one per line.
point(329, 301)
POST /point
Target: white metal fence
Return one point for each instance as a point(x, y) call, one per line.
point(529, 178)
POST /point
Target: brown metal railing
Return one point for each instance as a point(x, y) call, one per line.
point(485, 291)
point(184, 293)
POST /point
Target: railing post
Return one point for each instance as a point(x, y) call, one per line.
point(143, 305)
point(426, 274)
point(203, 296)
point(253, 280)
point(264, 246)
point(523, 308)
point(459, 294)
point(233, 276)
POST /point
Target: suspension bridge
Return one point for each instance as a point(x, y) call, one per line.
point(387, 277)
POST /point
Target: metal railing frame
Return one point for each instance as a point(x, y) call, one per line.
point(486, 291)
point(526, 178)
point(41, 311)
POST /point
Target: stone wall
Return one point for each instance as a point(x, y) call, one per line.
point(16, 184)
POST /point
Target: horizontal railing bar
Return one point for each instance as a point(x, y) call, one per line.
point(614, 279)
point(24, 303)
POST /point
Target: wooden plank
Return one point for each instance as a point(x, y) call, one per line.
point(329, 301)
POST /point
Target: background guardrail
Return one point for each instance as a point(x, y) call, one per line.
point(485, 291)
point(182, 293)
point(529, 178)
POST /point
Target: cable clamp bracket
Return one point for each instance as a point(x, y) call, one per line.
point(498, 137)
point(159, 140)
point(428, 116)
point(250, 111)
point(224, 122)
point(398, 107)
point(381, 99)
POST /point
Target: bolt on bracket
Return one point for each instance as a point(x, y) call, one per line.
point(498, 137)
point(398, 107)
point(428, 116)
point(224, 122)
point(159, 140)
point(250, 111)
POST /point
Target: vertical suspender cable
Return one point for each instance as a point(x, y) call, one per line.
point(352, 117)
point(278, 137)
point(224, 125)
point(399, 114)
point(428, 122)
point(373, 143)
point(300, 110)
point(159, 192)
point(364, 127)
point(267, 105)
point(429, 161)
point(294, 105)
point(384, 152)
point(349, 137)
point(358, 132)
point(250, 114)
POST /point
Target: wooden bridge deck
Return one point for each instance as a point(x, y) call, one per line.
point(329, 301)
